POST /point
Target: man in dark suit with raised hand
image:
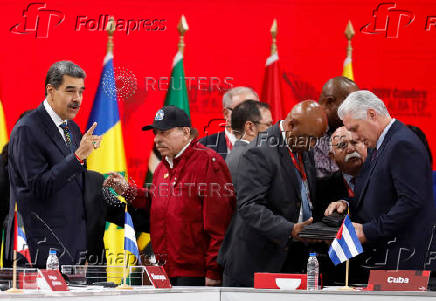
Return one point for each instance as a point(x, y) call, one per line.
point(276, 185)
point(47, 165)
point(394, 212)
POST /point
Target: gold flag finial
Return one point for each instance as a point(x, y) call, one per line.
point(349, 34)
point(110, 28)
point(182, 27)
point(274, 37)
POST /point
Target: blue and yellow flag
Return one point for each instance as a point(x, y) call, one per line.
point(110, 157)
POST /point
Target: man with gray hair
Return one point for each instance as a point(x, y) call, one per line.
point(222, 142)
point(394, 209)
point(47, 156)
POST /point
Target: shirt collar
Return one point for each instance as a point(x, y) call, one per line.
point(282, 130)
point(383, 134)
point(348, 177)
point(171, 161)
point(53, 115)
point(230, 135)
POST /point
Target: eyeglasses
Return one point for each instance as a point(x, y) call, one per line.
point(344, 144)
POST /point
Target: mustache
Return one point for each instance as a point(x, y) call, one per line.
point(74, 105)
point(348, 157)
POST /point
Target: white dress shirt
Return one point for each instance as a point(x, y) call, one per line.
point(55, 117)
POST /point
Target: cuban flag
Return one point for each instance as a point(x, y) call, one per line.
point(346, 244)
point(130, 244)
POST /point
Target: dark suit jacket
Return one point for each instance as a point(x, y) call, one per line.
point(96, 212)
point(268, 205)
point(395, 202)
point(217, 142)
point(47, 182)
point(233, 158)
point(330, 189)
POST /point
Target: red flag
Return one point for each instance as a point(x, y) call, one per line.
point(271, 90)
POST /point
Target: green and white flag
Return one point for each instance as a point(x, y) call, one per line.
point(177, 95)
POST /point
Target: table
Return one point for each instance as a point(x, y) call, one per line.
point(214, 294)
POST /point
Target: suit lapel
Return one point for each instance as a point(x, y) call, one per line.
point(52, 131)
point(222, 146)
point(380, 152)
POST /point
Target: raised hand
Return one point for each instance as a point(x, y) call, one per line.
point(88, 143)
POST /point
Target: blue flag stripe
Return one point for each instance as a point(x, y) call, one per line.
point(344, 247)
point(353, 234)
point(334, 257)
point(130, 246)
point(129, 237)
point(105, 108)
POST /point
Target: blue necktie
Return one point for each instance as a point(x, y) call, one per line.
point(305, 204)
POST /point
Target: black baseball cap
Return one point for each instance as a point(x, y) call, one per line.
point(169, 117)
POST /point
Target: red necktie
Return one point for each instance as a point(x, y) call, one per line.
point(299, 166)
point(228, 143)
point(350, 191)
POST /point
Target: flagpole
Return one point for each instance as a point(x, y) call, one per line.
point(347, 268)
point(349, 34)
point(124, 285)
point(274, 29)
point(182, 27)
point(14, 288)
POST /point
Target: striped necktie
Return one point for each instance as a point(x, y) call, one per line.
point(67, 133)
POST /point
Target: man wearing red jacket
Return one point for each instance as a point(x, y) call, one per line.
point(190, 202)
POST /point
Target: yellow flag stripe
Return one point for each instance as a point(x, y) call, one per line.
point(348, 69)
point(4, 137)
point(110, 157)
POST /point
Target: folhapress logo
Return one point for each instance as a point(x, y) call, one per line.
point(38, 20)
point(387, 20)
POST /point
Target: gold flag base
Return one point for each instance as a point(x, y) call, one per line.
point(14, 290)
point(346, 288)
point(124, 287)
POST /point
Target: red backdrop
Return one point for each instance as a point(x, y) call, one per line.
point(227, 41)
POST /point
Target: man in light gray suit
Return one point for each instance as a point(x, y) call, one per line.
point(248, 120)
